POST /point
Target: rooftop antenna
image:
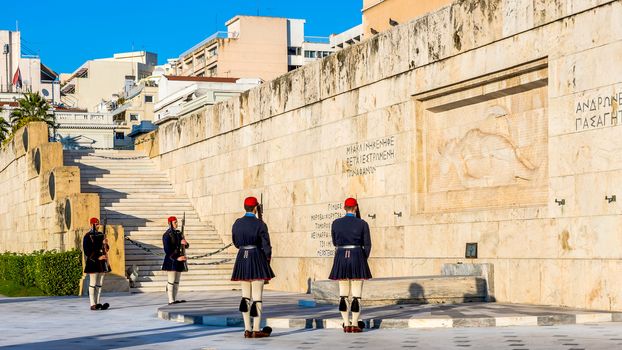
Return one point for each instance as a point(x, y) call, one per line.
point(16, 25)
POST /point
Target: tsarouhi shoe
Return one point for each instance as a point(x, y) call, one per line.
point(105, 306)
point(264, 333)
point(248, 334)
point(95, 307)
point(99, 306)
point(361, 324)
point(355, 329)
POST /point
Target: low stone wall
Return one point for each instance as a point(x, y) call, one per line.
point(494, 122)
point(41, 206)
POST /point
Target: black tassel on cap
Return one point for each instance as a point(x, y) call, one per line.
point(342, 304)
point(355, 305)
point(244, 305)
point(254, 312)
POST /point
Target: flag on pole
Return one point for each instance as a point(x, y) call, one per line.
point(17, 79)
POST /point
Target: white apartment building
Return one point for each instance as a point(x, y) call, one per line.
point(346, 38)
point(35, 76)
point(99, 81)
point(179, 96)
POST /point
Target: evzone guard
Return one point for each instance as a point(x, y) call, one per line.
point(252, 266)
point(352, 240)
point(175, 261)
point(95, 248)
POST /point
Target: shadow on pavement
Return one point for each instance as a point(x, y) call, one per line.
point(125, 339)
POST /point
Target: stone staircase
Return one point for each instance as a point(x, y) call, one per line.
point(135, 194)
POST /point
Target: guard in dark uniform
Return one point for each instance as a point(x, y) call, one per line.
point(95, 248)
point(175, 261)
point(353, 244)
point(252, 266)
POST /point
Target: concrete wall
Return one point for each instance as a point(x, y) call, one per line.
point(465, 125)
point(41, 206)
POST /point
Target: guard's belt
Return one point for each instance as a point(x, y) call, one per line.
point(248, 247)
point(348, 246)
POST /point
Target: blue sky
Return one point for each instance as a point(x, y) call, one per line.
point(66, 33)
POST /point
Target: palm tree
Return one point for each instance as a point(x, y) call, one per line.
point(5, 128)
point(32, 107)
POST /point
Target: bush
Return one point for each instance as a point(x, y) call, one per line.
point(52, 272)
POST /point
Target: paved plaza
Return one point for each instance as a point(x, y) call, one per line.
point(132, 323)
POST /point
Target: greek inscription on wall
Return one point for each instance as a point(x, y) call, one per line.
point(363, 158)
point(322, 223)
point(598, 112)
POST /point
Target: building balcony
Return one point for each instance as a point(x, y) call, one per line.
point(207, 41)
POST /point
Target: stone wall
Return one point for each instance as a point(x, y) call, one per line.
point(41, 206)
point(469, 124)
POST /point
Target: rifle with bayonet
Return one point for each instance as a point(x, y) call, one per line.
point(260, 208)
point(183, 246)
point(260, 217)
point(105, 247)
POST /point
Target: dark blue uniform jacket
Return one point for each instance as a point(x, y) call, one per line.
point(171, 240)
point(93, 247)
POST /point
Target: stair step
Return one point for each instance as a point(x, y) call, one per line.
point(188, 283)
point(186, 278)
point(153, 268)
point(136, 194)
point(182, 288)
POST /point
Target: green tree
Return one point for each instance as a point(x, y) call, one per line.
point(32, 108)
point(5, 128)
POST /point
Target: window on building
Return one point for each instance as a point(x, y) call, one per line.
point(119, 136)
point(294, 51)
point(212, 52)
point(133, 117)
point(211, 72)
point(119, 118)
point(311, 54)
point(325, 53)
point(291, 68)
point(148, 99)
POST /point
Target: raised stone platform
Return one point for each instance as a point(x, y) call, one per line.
point(409, 290)
point(282, 311)
point(457, 283)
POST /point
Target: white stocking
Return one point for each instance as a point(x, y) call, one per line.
point(357, 292)
point(344, 291)
point(246, 293)
point(257, 292)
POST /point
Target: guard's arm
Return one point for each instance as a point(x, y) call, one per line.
point(88, 248)
point(234, 236)
point(265, 241)
point(366, 239)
